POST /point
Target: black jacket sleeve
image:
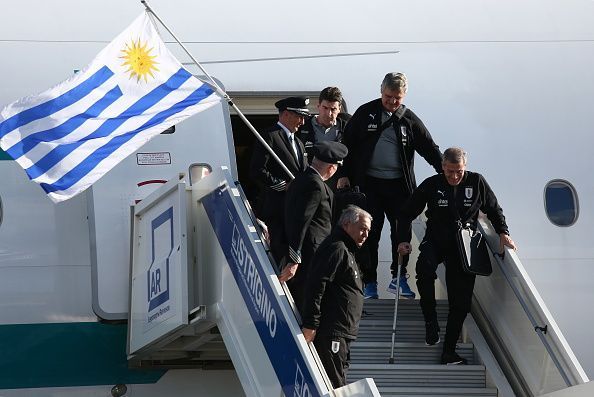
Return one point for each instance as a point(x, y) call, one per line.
point(491, 207)
point(298, 214)
point(424, 144)
point(411, 209)
point(322, 273)
point(261, 165)
point(349, 139)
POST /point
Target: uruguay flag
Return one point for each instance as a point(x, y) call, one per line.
point(69, 136)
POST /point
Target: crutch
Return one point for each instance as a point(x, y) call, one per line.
point(396, 299)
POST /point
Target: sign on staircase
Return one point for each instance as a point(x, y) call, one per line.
point(260, 298)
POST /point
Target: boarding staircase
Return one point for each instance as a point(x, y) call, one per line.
point(416, 370)
point(227, 293)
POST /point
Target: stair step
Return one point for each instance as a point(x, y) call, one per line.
point(406, 331)
point(414, 375)
point(438, 391)
point(404, 353)
point(410, 309)
point(416, 371)
point(441, 304)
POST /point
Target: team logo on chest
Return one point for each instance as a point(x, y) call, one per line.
point(403, 133)
point(371, 126)
point(468, 192)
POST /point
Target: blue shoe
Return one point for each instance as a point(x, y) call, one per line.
point(405, 291)
point(370, 291)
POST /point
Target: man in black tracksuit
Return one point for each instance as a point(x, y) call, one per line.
point(327, 126)
point(308, 215)
point(334, 294)
point(382, 137)
point(456, 195)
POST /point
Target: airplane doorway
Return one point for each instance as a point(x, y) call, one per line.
point(244, 141)
point(259, 109)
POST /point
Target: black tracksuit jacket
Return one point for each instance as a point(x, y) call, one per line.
point(334, 293)
point(471, 195)
point(363, 131)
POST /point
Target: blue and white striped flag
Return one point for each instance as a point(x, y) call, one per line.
point(69, 136)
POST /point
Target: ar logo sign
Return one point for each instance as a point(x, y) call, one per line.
point(161, 248)
point(301, 388)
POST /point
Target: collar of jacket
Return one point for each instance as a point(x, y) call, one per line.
point(399, 113)
point(341, 235)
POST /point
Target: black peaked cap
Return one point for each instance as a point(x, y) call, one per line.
point(330, 152)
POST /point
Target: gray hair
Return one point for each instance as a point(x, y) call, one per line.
point(352, 214)
point(454, 155)
point(395, 82)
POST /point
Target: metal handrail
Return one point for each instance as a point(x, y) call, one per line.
point(570, 378)
point(539, 327)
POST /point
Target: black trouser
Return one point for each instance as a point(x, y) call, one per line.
point(459, 285)
point(384, 196)
point(335, 361)
point(279, 247)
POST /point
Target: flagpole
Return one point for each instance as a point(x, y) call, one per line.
point(221, 92)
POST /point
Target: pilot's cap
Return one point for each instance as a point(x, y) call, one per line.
point(330, 152)
point(297, 104)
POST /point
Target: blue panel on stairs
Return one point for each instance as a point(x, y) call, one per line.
point(287, 360)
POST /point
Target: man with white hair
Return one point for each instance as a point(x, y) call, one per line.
point(334, 293)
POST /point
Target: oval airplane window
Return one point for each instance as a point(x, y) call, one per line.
point(561, 203)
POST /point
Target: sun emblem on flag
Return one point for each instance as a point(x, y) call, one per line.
point(139, 60)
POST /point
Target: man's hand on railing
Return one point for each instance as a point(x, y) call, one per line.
point(264, 228)
point(506, 241)
point(288, 272)
point(404, 248)
point(309, 334)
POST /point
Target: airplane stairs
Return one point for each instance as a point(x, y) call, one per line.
point(416, 370)
point(200, 275)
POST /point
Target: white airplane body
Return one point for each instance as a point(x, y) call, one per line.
point(508, 81)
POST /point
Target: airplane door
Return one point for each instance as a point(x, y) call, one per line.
point(159, 288)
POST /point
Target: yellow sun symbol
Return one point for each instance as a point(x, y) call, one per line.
point(139, 60)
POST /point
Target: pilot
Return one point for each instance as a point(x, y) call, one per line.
point(269, 175)
point(382, 137)
point(308, 214)
point(454, 195)
point(334, 294)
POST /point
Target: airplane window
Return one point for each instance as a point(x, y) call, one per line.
point(561, 203)
point(199, 171)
